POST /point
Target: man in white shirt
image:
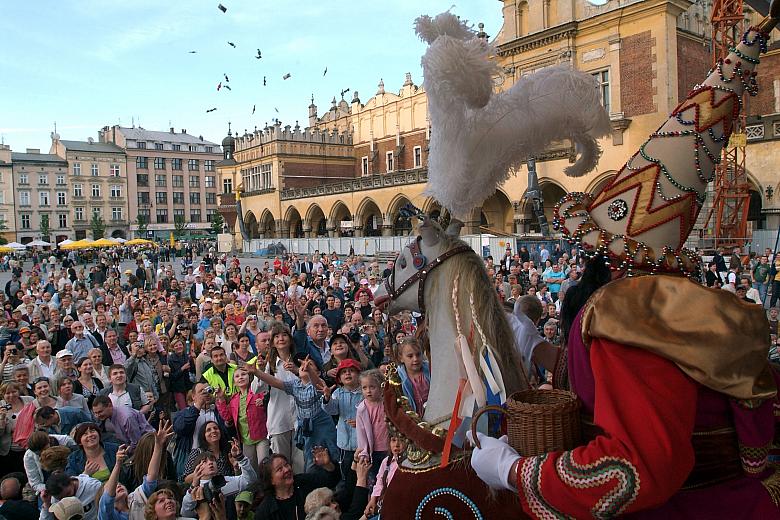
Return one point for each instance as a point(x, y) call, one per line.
point(60, 486)
point(530, 345)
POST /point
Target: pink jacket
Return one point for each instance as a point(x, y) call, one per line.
point(365, 430)
point(255, 411)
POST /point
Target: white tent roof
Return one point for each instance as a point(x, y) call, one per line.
point(65, 242)
point(38, 243)
point(15, 245)
point(119, 240)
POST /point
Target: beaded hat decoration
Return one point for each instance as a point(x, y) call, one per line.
point(642, 218)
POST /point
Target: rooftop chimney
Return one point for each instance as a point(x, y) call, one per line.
point(172, 130)
point(184, 130)
point(34, 150)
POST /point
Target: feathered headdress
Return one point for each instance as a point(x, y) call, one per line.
point(477, 134)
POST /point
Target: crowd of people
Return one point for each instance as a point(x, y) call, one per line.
point(217, 390)
point(207, 390)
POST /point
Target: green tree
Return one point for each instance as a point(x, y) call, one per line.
point(179, 226)
point(98, 227)
point(143, 224)
point(3, 227)
point(216, 223)
point(45, 227)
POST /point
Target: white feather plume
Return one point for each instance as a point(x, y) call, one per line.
point(478, 135)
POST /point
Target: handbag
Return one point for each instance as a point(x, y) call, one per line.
point(25, 424)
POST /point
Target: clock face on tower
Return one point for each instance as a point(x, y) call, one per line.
point(597, 2)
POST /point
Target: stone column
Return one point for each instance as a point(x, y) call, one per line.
point(282, 228)
point(332, 228)
point(307, 229)
point(358, 231)
point(387, 226)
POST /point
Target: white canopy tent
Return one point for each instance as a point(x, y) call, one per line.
point(38, 243)
point(15, 245)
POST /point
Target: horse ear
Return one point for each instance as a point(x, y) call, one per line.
point(453, 230)
point(429, 232)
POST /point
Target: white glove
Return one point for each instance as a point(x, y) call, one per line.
point(493, 462)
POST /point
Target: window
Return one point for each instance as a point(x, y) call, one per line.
point(159, 163)
point(78, 190)
point(389, 161)
point(162, 216)
point(195, 198)
point(158, 146)
point(43, 178)
point(195, 215)
point(210, 215)
point(79, 213)
point(115, 170)
point(211, 198)
point(141, 145)
point(94, 170)
point(176, 147)
point(193, 148)
point(209, 165)
point(23, 179)
point(25, 221)
point(142, 163)
point(418, 156)
point(60, 180)
point(116, 213)
point(364, 165)
point(209, 149)
point(753, 132)
point(116, 190)
point(602, 77)
point(178, 197)
point(177, 181)
point(62, 220)
point(43, 198)
point(160, 180)
point(97, 212)
point(76, 168)
point(193, 165)
point(142, 180)
point(61, 201)
point(178, 214)
point(143, 197)
point(161, 197)
point(227, 185)
point(265, 176)
point(776, 129)
point(144, 214)
point(194, 181)
point(24, 198)
point(211, 181)
point(176, 164)
point(95, 191)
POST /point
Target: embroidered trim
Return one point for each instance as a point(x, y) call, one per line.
point(583, 476)
point(754, 459)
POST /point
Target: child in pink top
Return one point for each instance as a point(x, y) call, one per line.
point(385, 474)
point(370, 419)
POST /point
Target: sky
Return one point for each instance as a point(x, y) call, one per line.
point(85, 64)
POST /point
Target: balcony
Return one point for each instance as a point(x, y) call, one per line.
point(79, 197)
point(118, 222)
point(369, 182)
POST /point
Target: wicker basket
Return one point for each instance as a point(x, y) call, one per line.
point(539, 421)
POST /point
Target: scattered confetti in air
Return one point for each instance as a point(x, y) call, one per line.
point(344, 92)
point(232, 44)
point(211, 110)
point(227, 80)
point(253, 109)
point(193, 52)
point(219, 86)
point(228, 87)
point(264, 83)
point(287, 76)
point(277, 110)
point(259, 54)
point(325, 71)
point(222, 8)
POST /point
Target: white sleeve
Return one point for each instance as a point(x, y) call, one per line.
point(235, 485)
point(188, 506)
point(33, 470)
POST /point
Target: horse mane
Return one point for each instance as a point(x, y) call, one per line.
point(490, 313)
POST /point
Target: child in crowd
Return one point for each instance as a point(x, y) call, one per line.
point(415, 374)
point(343, 401)
point(385, 475)
point(370, 419)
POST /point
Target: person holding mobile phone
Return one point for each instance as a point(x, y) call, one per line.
point(10, 360)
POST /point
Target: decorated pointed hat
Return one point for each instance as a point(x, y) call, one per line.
point(642, 218)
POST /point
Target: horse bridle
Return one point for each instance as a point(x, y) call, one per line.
point(422, 272)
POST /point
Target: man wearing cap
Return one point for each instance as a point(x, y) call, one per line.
point(62, 488)
point(244, 501)
point(65, 366)
point(81, 342)
point(197, 289)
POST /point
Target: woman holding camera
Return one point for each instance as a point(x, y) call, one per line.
point(10, 360)
point(11, 454)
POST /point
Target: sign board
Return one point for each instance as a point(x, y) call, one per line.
point(225, 242)
point(347, 224)
point(149, 234)
point(737, 139)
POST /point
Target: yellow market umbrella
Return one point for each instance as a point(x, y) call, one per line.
point(6, 249)
point(103, 242)
point(79, 244)
point(140, 242)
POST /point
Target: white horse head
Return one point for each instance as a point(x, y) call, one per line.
point(422, 280)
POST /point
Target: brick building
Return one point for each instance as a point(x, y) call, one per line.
point(171, 177)
point(645, 54)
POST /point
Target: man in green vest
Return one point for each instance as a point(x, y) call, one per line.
point(220, 373)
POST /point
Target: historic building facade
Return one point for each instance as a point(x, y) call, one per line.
point(97, 179)
point(171, 176)
point(645, 55)
point(7, 212)
point(40, 187)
